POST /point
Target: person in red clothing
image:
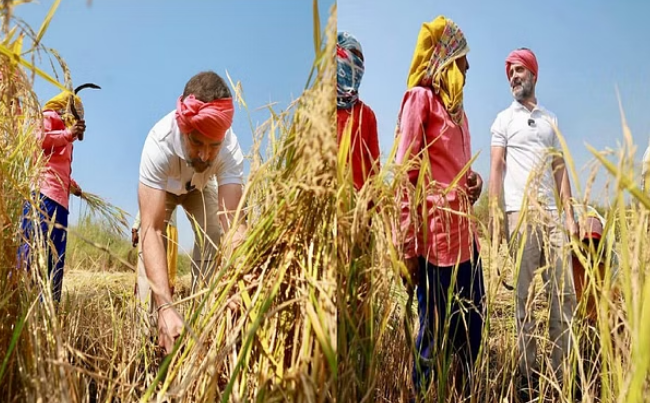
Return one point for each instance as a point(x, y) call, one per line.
point(352, 115)
point(439, 240)
point(60, 129)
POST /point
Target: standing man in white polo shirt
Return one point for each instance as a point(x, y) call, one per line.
point(528, 166)
point(190, 158)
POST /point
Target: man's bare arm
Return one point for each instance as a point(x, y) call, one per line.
point(229, 198)
point(495, 186)
point(152, 224)
point(561, 176)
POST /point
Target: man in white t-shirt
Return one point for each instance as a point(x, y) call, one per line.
point(190, 158)
point(528, 166)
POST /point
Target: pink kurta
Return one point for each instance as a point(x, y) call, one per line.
point(56, 142)
point(445, 235)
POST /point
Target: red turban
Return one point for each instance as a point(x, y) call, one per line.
point(211, 119)
point(525, 57)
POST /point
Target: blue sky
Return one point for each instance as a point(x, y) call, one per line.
point(584, 48)
point(143, 52)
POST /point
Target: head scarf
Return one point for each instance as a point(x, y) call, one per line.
point(60, 105)
point(525, 57)
point(211, 119)
point(439, 44)
point(349, 70)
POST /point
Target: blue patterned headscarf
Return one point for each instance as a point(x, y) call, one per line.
point(349, 70)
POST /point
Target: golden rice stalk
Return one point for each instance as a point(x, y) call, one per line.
point(115, 217)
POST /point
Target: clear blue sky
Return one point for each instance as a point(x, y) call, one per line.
point(584, 48)
point(143, 52)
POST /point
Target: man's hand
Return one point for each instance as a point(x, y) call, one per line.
point(78, 129)
point(75, 189)
point(474, 186)
point(134, 237)
point(170, 325)
point(238, 237)
point(233, 241)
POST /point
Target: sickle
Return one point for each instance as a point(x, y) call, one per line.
point(76, 115)
point(72, 107)
point(87, 85)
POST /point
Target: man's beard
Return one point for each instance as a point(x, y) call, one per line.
point(524, 91)
point(199, 165)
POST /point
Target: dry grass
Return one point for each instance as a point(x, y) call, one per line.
point(264, 330)
point(114, 217)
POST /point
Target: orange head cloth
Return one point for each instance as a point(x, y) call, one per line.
point(525, 57)
point(211, 119)
point(593, 229)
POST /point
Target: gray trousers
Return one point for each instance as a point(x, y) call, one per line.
point(539, 244)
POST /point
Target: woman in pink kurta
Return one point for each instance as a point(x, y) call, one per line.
point(57, 145)
point(438, 239)
point(55, 185)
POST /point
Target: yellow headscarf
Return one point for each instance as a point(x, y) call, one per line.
point(440, 43)
point(60, 104)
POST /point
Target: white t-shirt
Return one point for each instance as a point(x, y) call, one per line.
point(163, 165)
point(528, 137)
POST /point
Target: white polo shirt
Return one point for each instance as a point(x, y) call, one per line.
point(163, 164)
point(528, 137)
